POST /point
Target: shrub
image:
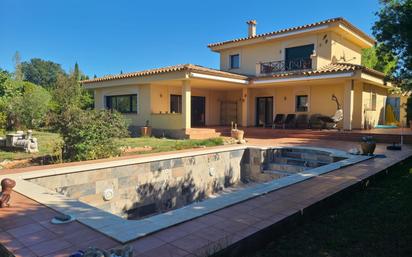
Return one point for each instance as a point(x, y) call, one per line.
point(90, 135)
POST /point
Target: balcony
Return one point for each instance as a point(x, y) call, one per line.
point(300, 64)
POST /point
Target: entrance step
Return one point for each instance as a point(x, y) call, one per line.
point(202, 133)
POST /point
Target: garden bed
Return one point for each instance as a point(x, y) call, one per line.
point(49, 150)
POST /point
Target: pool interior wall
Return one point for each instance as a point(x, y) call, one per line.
point(145, 189)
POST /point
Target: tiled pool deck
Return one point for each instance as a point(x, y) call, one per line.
point(25, 228)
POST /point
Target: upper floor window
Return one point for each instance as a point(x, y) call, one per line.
point(122, 103)
point(175, 103)
point(298, 58)
point(302, 103)
point(234, 61)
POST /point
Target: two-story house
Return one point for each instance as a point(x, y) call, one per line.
point(295, 70)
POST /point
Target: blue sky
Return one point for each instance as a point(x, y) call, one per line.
point(105, 36)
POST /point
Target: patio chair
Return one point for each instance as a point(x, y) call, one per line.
point(290, 121)
point(332, 122)
point(315, 122)
point(279, 121)
point(302, 121)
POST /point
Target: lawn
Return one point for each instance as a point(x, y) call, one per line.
point(163, 145)
point(48, 142)
point(370, 223)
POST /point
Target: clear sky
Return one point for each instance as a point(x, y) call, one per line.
point(106, 36)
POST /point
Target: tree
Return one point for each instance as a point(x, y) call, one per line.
point(18, 74)
point(386, 63)
point(41, 72)
point(32, 106)
point(393, 30)
point(23, 104)
point(69, 94)
point(4, 75)
point(76, 72)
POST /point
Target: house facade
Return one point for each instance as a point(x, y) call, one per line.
point(291, 71)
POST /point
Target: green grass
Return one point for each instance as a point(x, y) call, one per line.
point(48, 141)
point(370, 223)
point(163, 145)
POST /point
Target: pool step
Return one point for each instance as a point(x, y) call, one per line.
point(277, 172)
point(286, 167)
point(298, 162)
point(304, 156)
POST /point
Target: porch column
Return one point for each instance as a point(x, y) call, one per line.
point(186, 103)
point(245, 107)
point(348, 105)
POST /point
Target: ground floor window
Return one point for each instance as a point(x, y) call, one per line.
point(122, 103)
point(302, 103)
point(175, 104)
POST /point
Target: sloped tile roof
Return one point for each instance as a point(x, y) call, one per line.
point(316, 24)
point(174, 68)
point(327, 69)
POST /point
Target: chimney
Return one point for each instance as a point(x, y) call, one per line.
point(251, 28)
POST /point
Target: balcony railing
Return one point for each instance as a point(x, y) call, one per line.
point(289, 65)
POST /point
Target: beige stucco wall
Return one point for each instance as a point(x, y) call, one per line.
point(157, 109)
point(329, 46)
point(345, 51)
point(372, 117)
point(143, 92)
point(284, 98)
point(154, 102)
point(358, 108)
point(274, 50)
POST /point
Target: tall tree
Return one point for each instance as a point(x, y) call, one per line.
point(18, 74)
point(41, 72)
point(386, 63)
point(394, 32)
point(76, 71)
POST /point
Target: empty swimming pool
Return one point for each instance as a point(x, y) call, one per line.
point(152, 193)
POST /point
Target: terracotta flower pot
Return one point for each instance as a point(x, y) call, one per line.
point(146, 131)
point(368, 147)
point(237, 134)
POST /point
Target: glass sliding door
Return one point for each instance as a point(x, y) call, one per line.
point(264, 111)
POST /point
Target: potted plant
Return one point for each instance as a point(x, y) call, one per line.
point(146, 131)
point(368, 145)
point(236, 133)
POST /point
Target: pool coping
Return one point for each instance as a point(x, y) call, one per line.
point(124, 230)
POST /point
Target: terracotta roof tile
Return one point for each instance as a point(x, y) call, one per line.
point(174, 68)
point(330, 68)
point(327, 69)
point(316, 24)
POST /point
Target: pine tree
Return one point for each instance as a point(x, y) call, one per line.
point(76, 72)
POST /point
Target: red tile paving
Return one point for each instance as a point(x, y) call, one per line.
point(25, 228)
